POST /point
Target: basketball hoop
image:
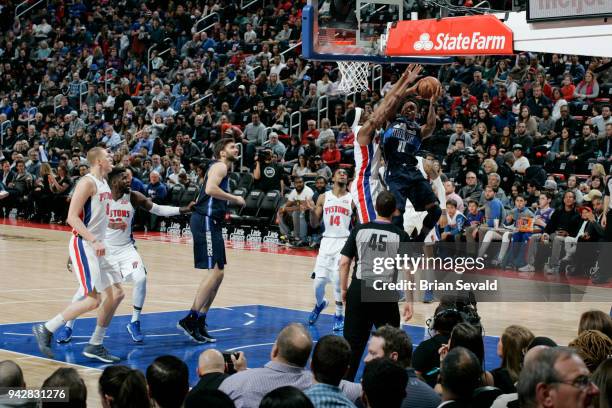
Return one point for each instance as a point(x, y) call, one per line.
point(355, 75)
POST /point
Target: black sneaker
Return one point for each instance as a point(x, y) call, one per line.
point(99, 352)
point(190, 328)
point(203, 331)
point(43, 339)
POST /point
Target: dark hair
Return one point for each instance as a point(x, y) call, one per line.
point(596, 320)
point(541, 341)
point(168, 380)
point(385, 204)
point(451, 202)
point(384, 383)
point(470, 337)
point(127, 387)
point(294, 352)
point(220, 145)
point(67, 378)
point(208, 398)
point(117, 171)
point(396, 341)
point(461, 373)
point(446, 317)
point(330, 359)
point(602, 378)
point(285, 397)
point(10, 374)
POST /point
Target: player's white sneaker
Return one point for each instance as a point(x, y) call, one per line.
point(99, 352)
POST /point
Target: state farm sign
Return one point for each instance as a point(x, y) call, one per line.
point(471, 35)
point(567, 9)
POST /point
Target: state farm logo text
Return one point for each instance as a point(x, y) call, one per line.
point(449, 42)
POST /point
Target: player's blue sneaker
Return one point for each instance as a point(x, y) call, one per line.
point(314, 315)
point(134, 329)
point(64, 335)
point(338, 323)
point(428, 297)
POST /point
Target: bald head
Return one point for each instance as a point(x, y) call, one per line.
point(211, 361)
point(533, 354)
point(10, 375)
point(293, 345)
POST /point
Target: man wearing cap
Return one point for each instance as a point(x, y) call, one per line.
point(521, 163)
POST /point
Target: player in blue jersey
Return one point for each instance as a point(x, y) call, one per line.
point(400, 142)
point(208, 246)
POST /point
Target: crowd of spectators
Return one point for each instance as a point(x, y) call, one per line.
point(445, 370)
point(159, 83)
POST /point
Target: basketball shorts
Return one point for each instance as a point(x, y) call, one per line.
point(328, 260)
point(92, 272)
point(127, 263)
point(364, 191)
point(409, 183)
point(208, 245)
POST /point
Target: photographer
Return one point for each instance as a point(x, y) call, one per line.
point(213, 368)
point(268, 174)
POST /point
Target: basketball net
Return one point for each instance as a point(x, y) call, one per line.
point(355, 75)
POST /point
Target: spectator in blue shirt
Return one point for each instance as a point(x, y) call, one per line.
point(503, 119)
point(111, 138)
point(474, 219)
point(455, 223)
point(143, 141)
point(135, 183)
point(329, 363)
point(156, 189)
point(494, 213)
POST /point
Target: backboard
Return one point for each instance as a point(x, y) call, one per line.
point(350, 30)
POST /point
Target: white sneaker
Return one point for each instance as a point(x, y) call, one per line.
point(3, 194)
point(527, 268)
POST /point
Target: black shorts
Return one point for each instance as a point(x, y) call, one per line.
point(208, 245)
point(408, 182)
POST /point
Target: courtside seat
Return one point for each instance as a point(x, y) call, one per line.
point(176, 193)
point(246, 181)
point(189, 194)
point(269, 206)
point(252, 203)
point(233, 209)
point(234, 179)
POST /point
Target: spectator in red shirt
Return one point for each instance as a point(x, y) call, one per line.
point(331, 154)
point(311, 131)
point(501, 99)
point(568, 88)
point(465, 100)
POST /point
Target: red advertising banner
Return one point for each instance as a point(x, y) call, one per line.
point(470, 35)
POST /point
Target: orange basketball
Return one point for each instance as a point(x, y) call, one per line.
point(427, 87)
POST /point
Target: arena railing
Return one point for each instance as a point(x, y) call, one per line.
point(83, 84)
point(26, 3)
point(294, 46)
point(321, 109)
point(3, 126)
point(57, 99)
point(32, 114)
point(248, 4)
point(202, 99)
point(292, 125)
point(106, 79)
point(197, 23)
point(151, 48)
point(377, 77)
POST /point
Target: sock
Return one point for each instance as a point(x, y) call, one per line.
point(136, 314)
point(70, 323)
point(55, 323)
point(338, 294)
point(319, 289)
point(98, 336)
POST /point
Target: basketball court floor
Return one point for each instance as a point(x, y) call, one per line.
point(263, 290)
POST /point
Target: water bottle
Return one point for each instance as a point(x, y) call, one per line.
point(162, 226)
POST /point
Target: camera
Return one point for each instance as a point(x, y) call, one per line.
point(227, 357)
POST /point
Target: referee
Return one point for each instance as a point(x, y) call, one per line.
point(378, 238)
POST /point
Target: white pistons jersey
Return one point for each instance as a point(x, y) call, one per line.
point(121, 212)
point(337, 212)
point(96, 208)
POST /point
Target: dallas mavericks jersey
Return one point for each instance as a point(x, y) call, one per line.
point(121, 211)
point(337, 212)
point(401, 141)
point(210, 206)
point(95, 211)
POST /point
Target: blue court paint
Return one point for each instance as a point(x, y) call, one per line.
point(250, 328)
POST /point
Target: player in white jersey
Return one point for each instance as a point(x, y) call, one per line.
point(121, 252)
point(335, 209)
point(88, 216)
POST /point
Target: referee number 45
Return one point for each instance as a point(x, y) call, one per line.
point(378, 243)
